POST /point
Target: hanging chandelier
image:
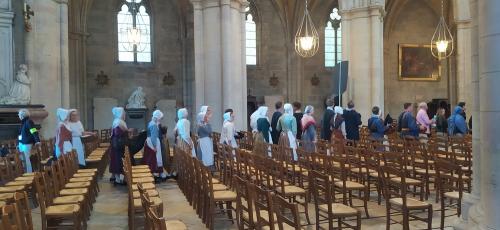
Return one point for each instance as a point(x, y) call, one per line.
point(306, 38)
point(134, 33)
point(442, 40)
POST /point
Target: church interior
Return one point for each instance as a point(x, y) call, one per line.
point(249, 114)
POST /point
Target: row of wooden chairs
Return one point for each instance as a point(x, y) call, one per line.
point(16, 213)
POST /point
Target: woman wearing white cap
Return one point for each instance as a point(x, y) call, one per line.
point(153, 147)
point(205, 142)
point(119, 139)
point(287, 124)
point(228, 132)
point(63, 133)
point(77, 131)
point(183, 129)
point(338, 124)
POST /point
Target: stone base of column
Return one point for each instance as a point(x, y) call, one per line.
point(472, 214)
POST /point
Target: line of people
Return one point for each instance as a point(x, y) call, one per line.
point(69, 132)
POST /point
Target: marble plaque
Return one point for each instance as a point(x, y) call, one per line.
point(103, 118)
point(137, 119)
point(168, 107)
point(270, 101)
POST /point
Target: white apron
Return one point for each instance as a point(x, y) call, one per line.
point(67, 147)
point(78, 146)
point(159, 157)
point(293, 144)
point(207, 151)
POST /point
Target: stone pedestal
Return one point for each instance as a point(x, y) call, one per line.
point(9, 120)
point(136, 119)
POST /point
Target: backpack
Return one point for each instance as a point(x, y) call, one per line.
point(451, 125)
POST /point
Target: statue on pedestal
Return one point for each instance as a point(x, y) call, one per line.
point(137, 99)
point(19, 93)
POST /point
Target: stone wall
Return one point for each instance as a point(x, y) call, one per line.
point(414, 24)
point(125, 77)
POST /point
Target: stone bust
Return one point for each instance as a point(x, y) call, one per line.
point(19, 93)
point(137, 99)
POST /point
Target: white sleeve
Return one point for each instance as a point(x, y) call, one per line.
point(342, 127)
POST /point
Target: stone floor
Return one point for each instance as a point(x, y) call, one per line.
point(110, 211)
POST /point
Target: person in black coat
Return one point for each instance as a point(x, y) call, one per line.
point(326, 132)
point(275, 134)
point(28, 136)
point(352, 122)
point(298, 117)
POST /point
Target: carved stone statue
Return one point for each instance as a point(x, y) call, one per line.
point(137, 99)
point(19, 93)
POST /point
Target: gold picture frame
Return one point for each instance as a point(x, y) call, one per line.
point(416, 63)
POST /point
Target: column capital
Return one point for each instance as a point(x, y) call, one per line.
point(353, 5)
point(5, 5)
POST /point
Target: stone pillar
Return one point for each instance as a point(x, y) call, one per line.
point(463, 49)
point(489, 110)
point(47, 58)
point(6, 47)
point(362, 43)
point(220, 80)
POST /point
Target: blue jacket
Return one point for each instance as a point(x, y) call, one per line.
point(28, 132)
point(460, 124)
point(409, 122)
point(376, 127)
point(352, 122)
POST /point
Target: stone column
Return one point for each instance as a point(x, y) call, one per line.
point(6, 46)
point(362, 28)
point(220, 81)
point(47, 58)
point(463, 49)
point(489, 110)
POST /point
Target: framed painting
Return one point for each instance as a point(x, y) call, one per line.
point(416, 63)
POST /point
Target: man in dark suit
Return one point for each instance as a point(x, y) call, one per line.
point(326, 132)
point(352, 122)
point(298, 117)
point(275, 134)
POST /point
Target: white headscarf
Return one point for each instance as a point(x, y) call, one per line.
point(23, 113)
point(227, 117)
point(339, 110)
point(288, 108)
point(254, 117)
point(183, 125)
point(309, 109)
point(62, 117)
point(157, 115)
point(202, 114)
point(118, 121)
point(77, 126)
point(262, 112)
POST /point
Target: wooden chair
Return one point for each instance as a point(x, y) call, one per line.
point(68, 216)
point(286, 189)
point(346, 187)
point(325, 205)
point(395, 193)
point(287, 214)
point(10, 217)
point(244, 207)
point(23, 211)
point(449, 178)
point(263, 204)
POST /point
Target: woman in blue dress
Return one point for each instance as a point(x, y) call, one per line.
point(287, 124)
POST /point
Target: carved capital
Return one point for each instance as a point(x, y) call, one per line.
point(61, 1)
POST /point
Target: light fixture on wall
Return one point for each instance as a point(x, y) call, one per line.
point(442, 40)
point(306, 38)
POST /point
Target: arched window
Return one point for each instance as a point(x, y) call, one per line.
point(134, 32)
point(251, 38)
point(333, 39)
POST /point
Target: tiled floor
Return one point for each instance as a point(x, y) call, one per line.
point(110, 211)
